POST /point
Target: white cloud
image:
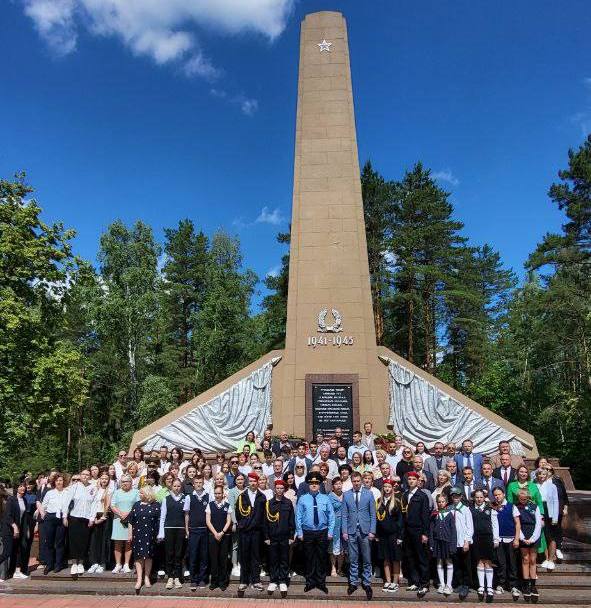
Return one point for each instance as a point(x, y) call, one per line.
point(54, 20)
point(270, 217)
point(445, 175)
point(274, 271)
point(160, 29)
point(249, 106)
point(583, 119)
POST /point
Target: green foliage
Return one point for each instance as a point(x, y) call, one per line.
point(157, 399)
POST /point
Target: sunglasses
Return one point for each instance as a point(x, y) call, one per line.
point(258, 468)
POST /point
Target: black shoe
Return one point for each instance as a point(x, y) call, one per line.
point(422, 592)
point(368, 592)
point(322, 588)
point(535, 594)
point(223, 587)
point(308, 587)
point(351, 589)
point(46, 570)
point(212, 587)
point(463, 594)
point(490, 596)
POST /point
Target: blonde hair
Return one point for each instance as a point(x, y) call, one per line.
point(147, 494)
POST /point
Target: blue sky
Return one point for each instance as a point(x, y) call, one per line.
point(164, 110)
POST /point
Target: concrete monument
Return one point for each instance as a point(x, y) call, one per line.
point(331, 373)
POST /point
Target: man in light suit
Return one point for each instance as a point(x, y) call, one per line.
point(437, 461)
point(359, 528)
point(468, 458)
point(488, 482)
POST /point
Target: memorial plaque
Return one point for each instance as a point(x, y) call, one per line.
point(332, 400)
point(332, 407)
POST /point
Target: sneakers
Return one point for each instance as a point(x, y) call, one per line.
point(263, 573)
point(422, 591)
point(394, 587)
point(447, 590)
point(126, 569)
point(241, 589)
point(187, 574)
point(551, 565)
point(19, 575)
point(169, 583)
point(499, 590)
point(480, 593)
point(283, 589)
point(236, 571)
point(490, 596)
point(535, 594)
point(515, 593)
point(99, 569)
point(177, 583)
point(272, 588)
point(80, 568)
point(559, 554)
point(544, 564)
point(441, 589)
point(74, 569)
point(257, 587)
point(93, 568)
point(412, 588)
point(161, 573)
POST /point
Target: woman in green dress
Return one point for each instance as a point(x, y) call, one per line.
point(121, 504)
point(523, 482)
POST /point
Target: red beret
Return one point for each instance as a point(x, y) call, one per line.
point(253, 475)
point(413, 474)
point(279, 482)
point(388, 481)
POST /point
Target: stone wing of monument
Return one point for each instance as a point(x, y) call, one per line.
point(219, 422)
point(422, 408)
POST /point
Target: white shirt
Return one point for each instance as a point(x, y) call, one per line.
point(267, 469)
point(251, 496)
point(550, 497)
point(119, 469)
point(56, 502)
point(393, 460)
point(163, 512)
point(464, 524)
point(163, 467)
point(333, 470)
point(97, 505)
point(83, 497)
point(347, 484)
point(356, 448)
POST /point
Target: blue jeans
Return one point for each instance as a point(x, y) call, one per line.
point(359, 544)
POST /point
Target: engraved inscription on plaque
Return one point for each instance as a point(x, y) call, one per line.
point(332, 407)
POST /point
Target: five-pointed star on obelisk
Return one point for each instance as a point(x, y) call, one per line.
point(324, 46)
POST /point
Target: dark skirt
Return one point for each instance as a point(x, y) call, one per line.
point(443, 549)
point(78, 537)
point(388, 548)
point(535, 545)
point(483, 547)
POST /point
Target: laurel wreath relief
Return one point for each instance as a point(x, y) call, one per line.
point(335, 327)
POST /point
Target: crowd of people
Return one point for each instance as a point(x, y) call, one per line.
point(327, 507)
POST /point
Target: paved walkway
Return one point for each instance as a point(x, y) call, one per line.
point(81, 601)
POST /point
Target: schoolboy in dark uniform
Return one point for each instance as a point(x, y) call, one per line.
point(250, 510)
point(279, 532)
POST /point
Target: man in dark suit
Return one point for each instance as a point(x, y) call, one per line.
point(452, 468)
point(419, 468)
point(469, 485)
point(488, 482)
point(468, 458)
point(417, 518)
point(300, 458)
point(506, 473)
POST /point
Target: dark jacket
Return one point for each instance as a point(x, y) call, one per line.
point(418, 513)
point(11, 515)
point(284, 528)
point(256, 512)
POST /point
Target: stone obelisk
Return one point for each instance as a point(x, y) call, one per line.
point(330, 334)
